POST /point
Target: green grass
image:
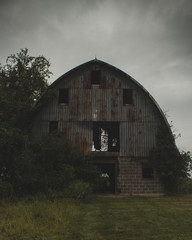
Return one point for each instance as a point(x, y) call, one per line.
point(99, 218)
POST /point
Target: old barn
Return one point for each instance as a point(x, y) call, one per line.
point(108, 114)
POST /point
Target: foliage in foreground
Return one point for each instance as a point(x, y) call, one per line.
point(171, 165)
point(60, 164)
point(52, 164)
point(23, 80)
point(103, 218)
point(33, 165)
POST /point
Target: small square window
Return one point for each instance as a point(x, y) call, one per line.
point(64, 95)
point(96, 77)
point(127, 96)
point(147, 172)
point(53, 126)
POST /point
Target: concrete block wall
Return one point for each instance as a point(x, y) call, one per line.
point(131, 181)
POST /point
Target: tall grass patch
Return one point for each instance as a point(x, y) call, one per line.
point(37, 219)
point(97, 218)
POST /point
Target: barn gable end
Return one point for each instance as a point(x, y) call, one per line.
point(107, 113)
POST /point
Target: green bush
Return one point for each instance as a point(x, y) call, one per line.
point(171, 165)
point(48, 163)
point(61, 163)
point(79, 189)
point(185, 186)
point(6, 189)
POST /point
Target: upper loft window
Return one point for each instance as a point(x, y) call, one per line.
point(96, 77)
point(127, 96)
point(64, 95)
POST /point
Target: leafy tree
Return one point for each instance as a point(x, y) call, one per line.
point(23, 80)
point(171, 165)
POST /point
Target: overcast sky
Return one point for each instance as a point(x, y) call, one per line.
point(151, 40)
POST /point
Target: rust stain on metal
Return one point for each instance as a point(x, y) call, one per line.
point(66, 131)
point(130, 146)
point(86, 81)
point(74, 107)
point(133, 116)
point(86, 105)
point(81, 142)
point(104, 82)
point(101, 106)
point(114, 105)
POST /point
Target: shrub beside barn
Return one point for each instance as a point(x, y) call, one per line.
point(109, 115)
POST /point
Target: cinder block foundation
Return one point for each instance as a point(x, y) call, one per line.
point(130, 179)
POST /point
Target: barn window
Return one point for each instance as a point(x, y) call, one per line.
point(147, 172)
point(96, 77)
point(64, 95)
point(106, 136)
point(53, 126)
point(127, 96)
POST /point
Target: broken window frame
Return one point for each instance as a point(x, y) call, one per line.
point(106, 137)
point(95, 77)
point(127, 96)
point(63, 96)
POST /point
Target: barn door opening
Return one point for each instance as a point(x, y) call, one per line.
point(108, 177)
point(106, 137)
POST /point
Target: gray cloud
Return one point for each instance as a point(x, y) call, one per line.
point(150, 40)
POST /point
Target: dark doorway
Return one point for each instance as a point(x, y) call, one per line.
point(108, 177)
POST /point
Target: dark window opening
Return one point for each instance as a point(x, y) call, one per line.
point(64, 95)
point(108, 178)
point(96, 77)
point(53, 126)
point(106, 136)
point(147, 172)
point(127, 96)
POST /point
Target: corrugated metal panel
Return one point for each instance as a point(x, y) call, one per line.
point(100, 105)
point(136, 139)
point(138, 121)
point(80, 133)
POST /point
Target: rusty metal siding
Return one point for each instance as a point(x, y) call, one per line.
point(80, 133)
point(138, 121)
point(50, 112)
point(147, 111)
point(137, 138)
point(106, 104)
